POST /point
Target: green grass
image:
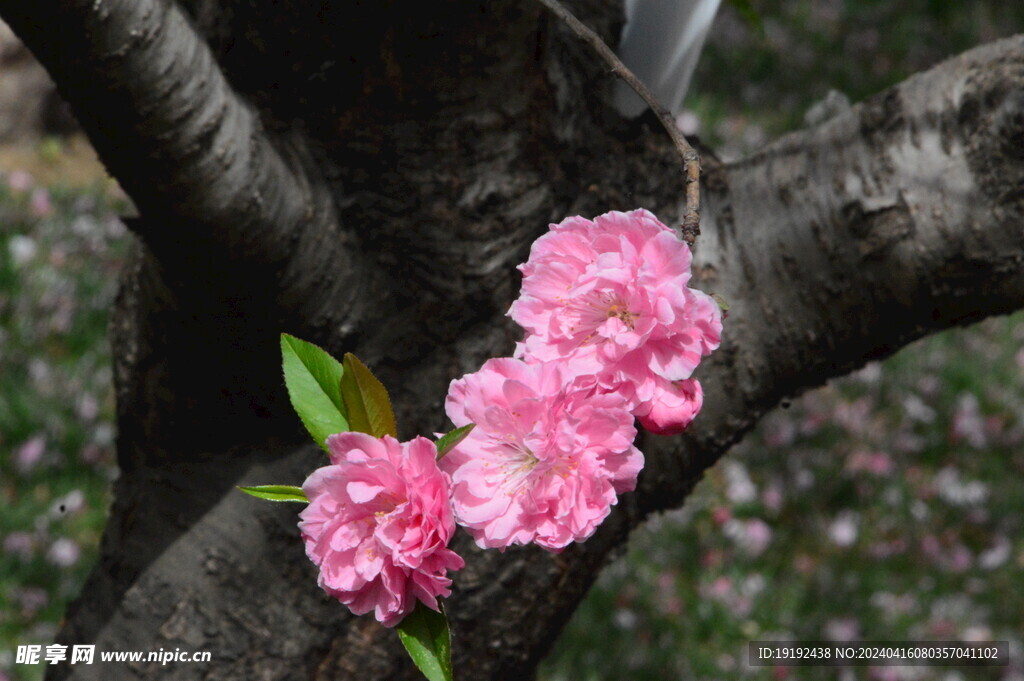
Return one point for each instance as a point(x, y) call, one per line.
point(59, 255)
point(752, 85)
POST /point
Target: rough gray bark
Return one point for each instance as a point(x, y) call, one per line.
point(446, 137)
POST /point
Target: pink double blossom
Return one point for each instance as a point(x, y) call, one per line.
point(548, 456)
point(378, 524)
point(609, 298)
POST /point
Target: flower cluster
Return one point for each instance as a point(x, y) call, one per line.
point(612, 332)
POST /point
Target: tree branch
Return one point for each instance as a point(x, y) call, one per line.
point(842, 243)
point(194, 157)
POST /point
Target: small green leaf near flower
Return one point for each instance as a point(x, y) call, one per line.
point(313, 379)
point(366, 400)
point(277, 493)
point(425, 635)
point(450, 440)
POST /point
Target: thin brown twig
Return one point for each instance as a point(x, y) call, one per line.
point(690, 158)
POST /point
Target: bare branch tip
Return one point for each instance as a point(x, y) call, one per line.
point(689, 157)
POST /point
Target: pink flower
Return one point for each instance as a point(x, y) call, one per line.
point(20, 181)
point(40, 203)
point(547, 458)
point(610, 297)
point(63, 552)
point(30, 453)
point(378, 525)
point(671, 407)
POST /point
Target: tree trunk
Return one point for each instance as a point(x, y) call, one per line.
point(367, 177)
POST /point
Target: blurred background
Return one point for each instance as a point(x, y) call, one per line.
point(883, 506)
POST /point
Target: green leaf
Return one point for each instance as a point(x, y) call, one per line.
point(313, 379)
point(448, 441)
point(277, 493)
point(424, 634)
point(366, 400)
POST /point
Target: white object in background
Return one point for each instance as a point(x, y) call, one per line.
point(660, 44)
